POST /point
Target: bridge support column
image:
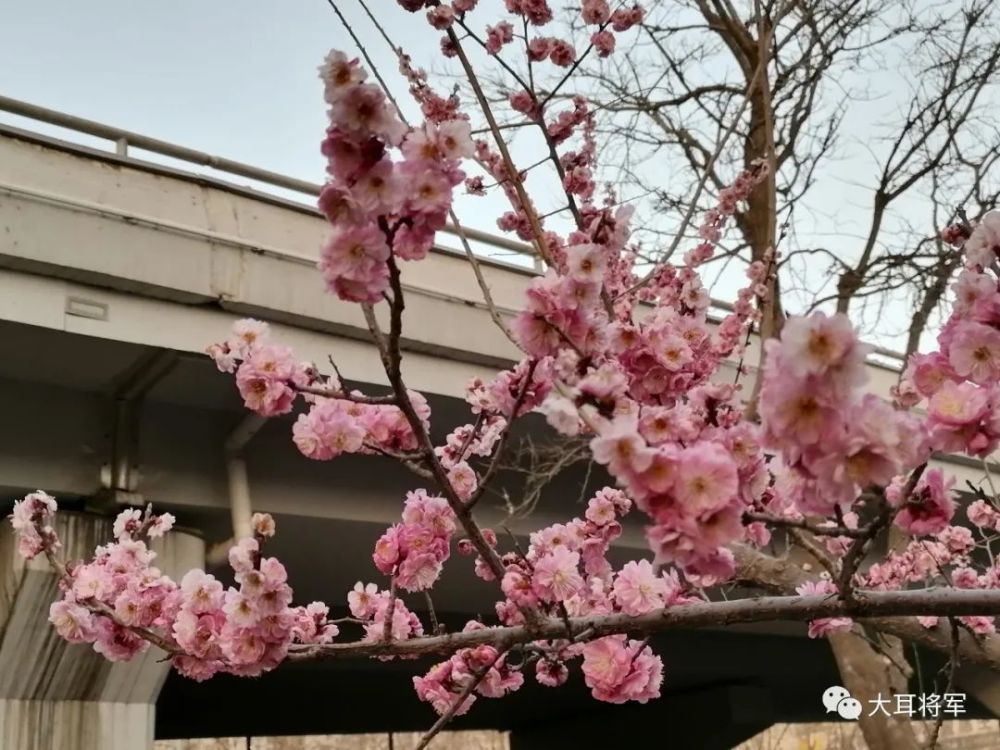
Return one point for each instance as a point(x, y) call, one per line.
point(60, 696)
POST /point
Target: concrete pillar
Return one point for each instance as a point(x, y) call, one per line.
point(60, 696)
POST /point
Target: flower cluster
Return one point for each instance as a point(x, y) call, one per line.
point(618, 670)
point(333, 426)
point(381, 209)
point(565, 309)
point(269, 379)
point(961, 381)
point(446, 683)
point(382, 614)
point(32, 522)
point(120, 602)
point(833, 441)
point(267, 375)
point(565, 564)
point(412, 552)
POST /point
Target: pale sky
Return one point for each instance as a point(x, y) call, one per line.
point(236, 78)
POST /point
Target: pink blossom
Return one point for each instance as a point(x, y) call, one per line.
point(604, 43)
point(116, 643)
point(958, 404)
point(561, 53)
point(202, 592)
point(339, 206)
point(353, 263)
point(266, 378)
point(821, 345)
point(362, 599)
point(340, 73)
point(585, 263)
point(160, 525)
point(463, 480)
point(242, 555)
point(551, 673)
point(596, 11)
point(225, 359)
point(621, 449)
point(638, 589)
point(379, 189)
point(983, 515)
point(929, 372)
point(556, 576)
point(983, 246)
point(601, 510)
point(537, 12)
point(72, 621)
point(498, 36)
point(975, 352)
point(362, 109)
point(980, 625)
point(930, 508)
point(418, 572)
point(616, 671)
point(625, 18)
point(706, 478)
point(441, 16)
point(127, 524)
point(328, 430)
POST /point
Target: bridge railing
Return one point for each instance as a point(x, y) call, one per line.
point(122, 141)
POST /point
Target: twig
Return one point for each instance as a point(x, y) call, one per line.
point(387, 628)
point(522, 196)
point(855, 553)
point(813, 528)
point(435, 625)
point(504, 436)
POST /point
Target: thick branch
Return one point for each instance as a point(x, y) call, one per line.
point(866, 604)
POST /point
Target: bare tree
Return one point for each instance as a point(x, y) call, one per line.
point(904, 150)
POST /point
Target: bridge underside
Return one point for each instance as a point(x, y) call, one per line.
point(719, 689)
point(59, 388)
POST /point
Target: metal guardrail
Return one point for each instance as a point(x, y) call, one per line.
point(124, 139)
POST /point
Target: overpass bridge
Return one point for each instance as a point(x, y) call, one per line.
point(116, 270)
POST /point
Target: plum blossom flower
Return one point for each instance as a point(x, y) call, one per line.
point(72, 621)
point(340, 73)
point(638, 589)
point(362, 599)
point(706, 478)
point(551, 673)
point(983, 246)
point(821, 345)
point(930, 508)
point(556, 577)
point(266, 378)
point(974, 352)
point(617, 670)
point(31, 519)
point(621, 448)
